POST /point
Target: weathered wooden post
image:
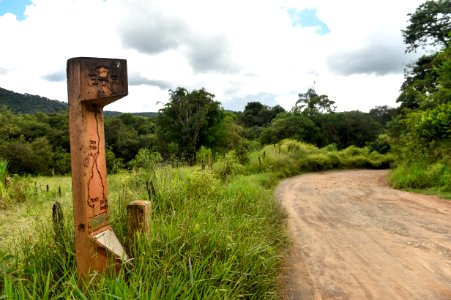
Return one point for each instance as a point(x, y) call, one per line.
point(92, 83)
point(138, 213)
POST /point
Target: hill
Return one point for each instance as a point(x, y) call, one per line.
point(30, 104)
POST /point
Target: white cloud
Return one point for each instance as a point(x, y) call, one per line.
point(232, 48)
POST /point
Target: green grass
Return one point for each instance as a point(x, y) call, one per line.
point(216, 233)
point(423, 178)
point(291, 157)
point(210, 240)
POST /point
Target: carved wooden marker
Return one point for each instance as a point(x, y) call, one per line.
point(92, 83)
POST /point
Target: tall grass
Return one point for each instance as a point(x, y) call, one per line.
point(291, 157)
point(3, 183)
point(421, 175)
point(216, 232)
point(210, 240)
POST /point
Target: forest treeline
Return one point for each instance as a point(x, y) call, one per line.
point(418, 132)
point(39, 143)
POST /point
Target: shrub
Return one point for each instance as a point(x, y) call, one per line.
point(204, 157)
point(227, 165)
point(202, 184)
point(330, 147)
point(146, 159)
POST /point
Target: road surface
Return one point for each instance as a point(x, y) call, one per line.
point(353, 237)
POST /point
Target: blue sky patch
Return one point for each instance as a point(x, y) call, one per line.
point(308, 18)
point(16, 7)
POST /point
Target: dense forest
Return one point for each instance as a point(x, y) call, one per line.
point(39, 143)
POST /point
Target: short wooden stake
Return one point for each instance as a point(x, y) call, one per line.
point(57, 217)
point(139, 212)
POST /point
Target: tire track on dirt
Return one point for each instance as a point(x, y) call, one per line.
point(356, 238)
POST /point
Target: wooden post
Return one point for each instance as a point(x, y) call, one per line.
point(57, 217)
point(138, 213)
point(92, 83)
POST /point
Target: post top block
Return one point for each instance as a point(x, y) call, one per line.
point(100, 80)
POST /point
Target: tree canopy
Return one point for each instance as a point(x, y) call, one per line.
point(191, 119)
point(310, 102)
point(430, 24)
point(422, 133)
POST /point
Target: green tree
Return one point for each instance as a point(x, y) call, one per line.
point(422, 133)
point(346, 128)
point(420, 80)
point(191, 119)
point(290, 125)
point(429, 25)
point(383, 114)
point(257, 114)
point(311, 103)
point(125, 134)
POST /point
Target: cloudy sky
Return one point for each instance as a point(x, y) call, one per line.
point(239, 50)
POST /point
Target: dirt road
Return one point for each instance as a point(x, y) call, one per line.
point(356, 238)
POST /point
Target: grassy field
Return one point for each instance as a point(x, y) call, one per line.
point(216, 233)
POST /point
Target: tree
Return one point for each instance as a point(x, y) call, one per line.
point(383, 114)
point(429, 25)
point(257, 114)
point(191, 119)
point(125, 134)
point(422, 133)
point(346, 128)
point(311, 103)
point(290, 125)
point(420, 79)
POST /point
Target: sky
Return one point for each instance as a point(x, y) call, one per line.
point(239, 50)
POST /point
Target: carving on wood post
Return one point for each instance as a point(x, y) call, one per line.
point(92, 83)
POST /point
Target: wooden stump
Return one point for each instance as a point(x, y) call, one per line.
point(138, 213)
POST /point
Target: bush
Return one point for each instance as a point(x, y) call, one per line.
point(204, 157)
point(227, 165)
point(202, 184)
point(146, 159)
point(330, 147)
point(420, 175)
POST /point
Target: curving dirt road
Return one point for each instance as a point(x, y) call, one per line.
point(356, 238)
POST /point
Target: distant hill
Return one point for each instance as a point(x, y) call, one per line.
point(109, 113)
point(30, 104)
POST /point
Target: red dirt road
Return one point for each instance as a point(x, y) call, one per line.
point(353, 237)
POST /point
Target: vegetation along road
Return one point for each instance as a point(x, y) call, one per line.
point(356, 238)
